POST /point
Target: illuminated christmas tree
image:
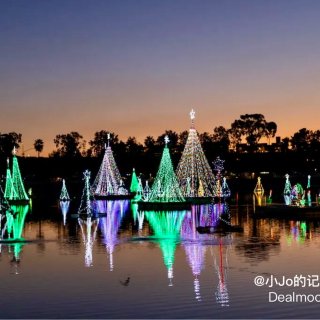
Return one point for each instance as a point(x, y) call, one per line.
point(309, 191)
point(108, 180)
point(16, 189)
point(9, 192)
point(309, 182)
point(85, 203)
point(193, 168)
point(146, 192)
point(221, 188)
point(226, 193)
point(166, 186)
point(134, 182)
point(136, 187)
point(17, 180)
point(287, 191)
point(166, 227)
point(64, 195)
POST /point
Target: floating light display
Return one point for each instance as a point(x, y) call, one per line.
point(139, 191)
point(287, 191)
point(108, 180)
point(193, 167)
point(85, 202)
point(226, 192)
point(146, 192)
point(258, 190)
point(166, 186)
point(309, 191)
point(309, 182)
point(134, 182)
point(222, 189)
point(64, 195)
point(16, 190)
point(9, 192)
point(297, 195)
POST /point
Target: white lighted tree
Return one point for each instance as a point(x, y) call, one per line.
point(194, 173)
point(108, 180)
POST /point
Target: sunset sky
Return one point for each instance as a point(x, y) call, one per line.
point(137, 67)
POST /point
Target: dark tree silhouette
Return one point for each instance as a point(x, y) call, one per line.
point(221, 140)
point(301, 140)
point(68, 145)
point(8, 141)
point(149, 143)
point(38, 146)
point(270, 130)
point(253, 127)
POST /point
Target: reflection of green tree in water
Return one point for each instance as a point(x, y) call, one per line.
point(15, 221)
point(14, 227)
point(166, 227)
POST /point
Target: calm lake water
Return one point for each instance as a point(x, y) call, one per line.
point(132, 264)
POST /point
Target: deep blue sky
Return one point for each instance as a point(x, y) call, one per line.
point(138, 67)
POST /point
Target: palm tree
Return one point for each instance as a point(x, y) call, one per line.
point(38, 146)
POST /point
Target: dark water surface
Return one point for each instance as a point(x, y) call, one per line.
point(132, 264)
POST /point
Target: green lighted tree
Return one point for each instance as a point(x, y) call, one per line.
point(10, 192)
point(15, 189)
point(166, 186)
point(134, 186)
point(64, 195)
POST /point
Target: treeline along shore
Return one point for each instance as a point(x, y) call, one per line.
point(240, 146)
point(241, 170)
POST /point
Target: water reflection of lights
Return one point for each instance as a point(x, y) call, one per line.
point(196, 245)
point(298, 232)
point(195, 250)
point(138, 216)
point(12, 225)
point(88, 228)
point(64, 206)
point(222, 294)
point(166, 227)
point(110, 224)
